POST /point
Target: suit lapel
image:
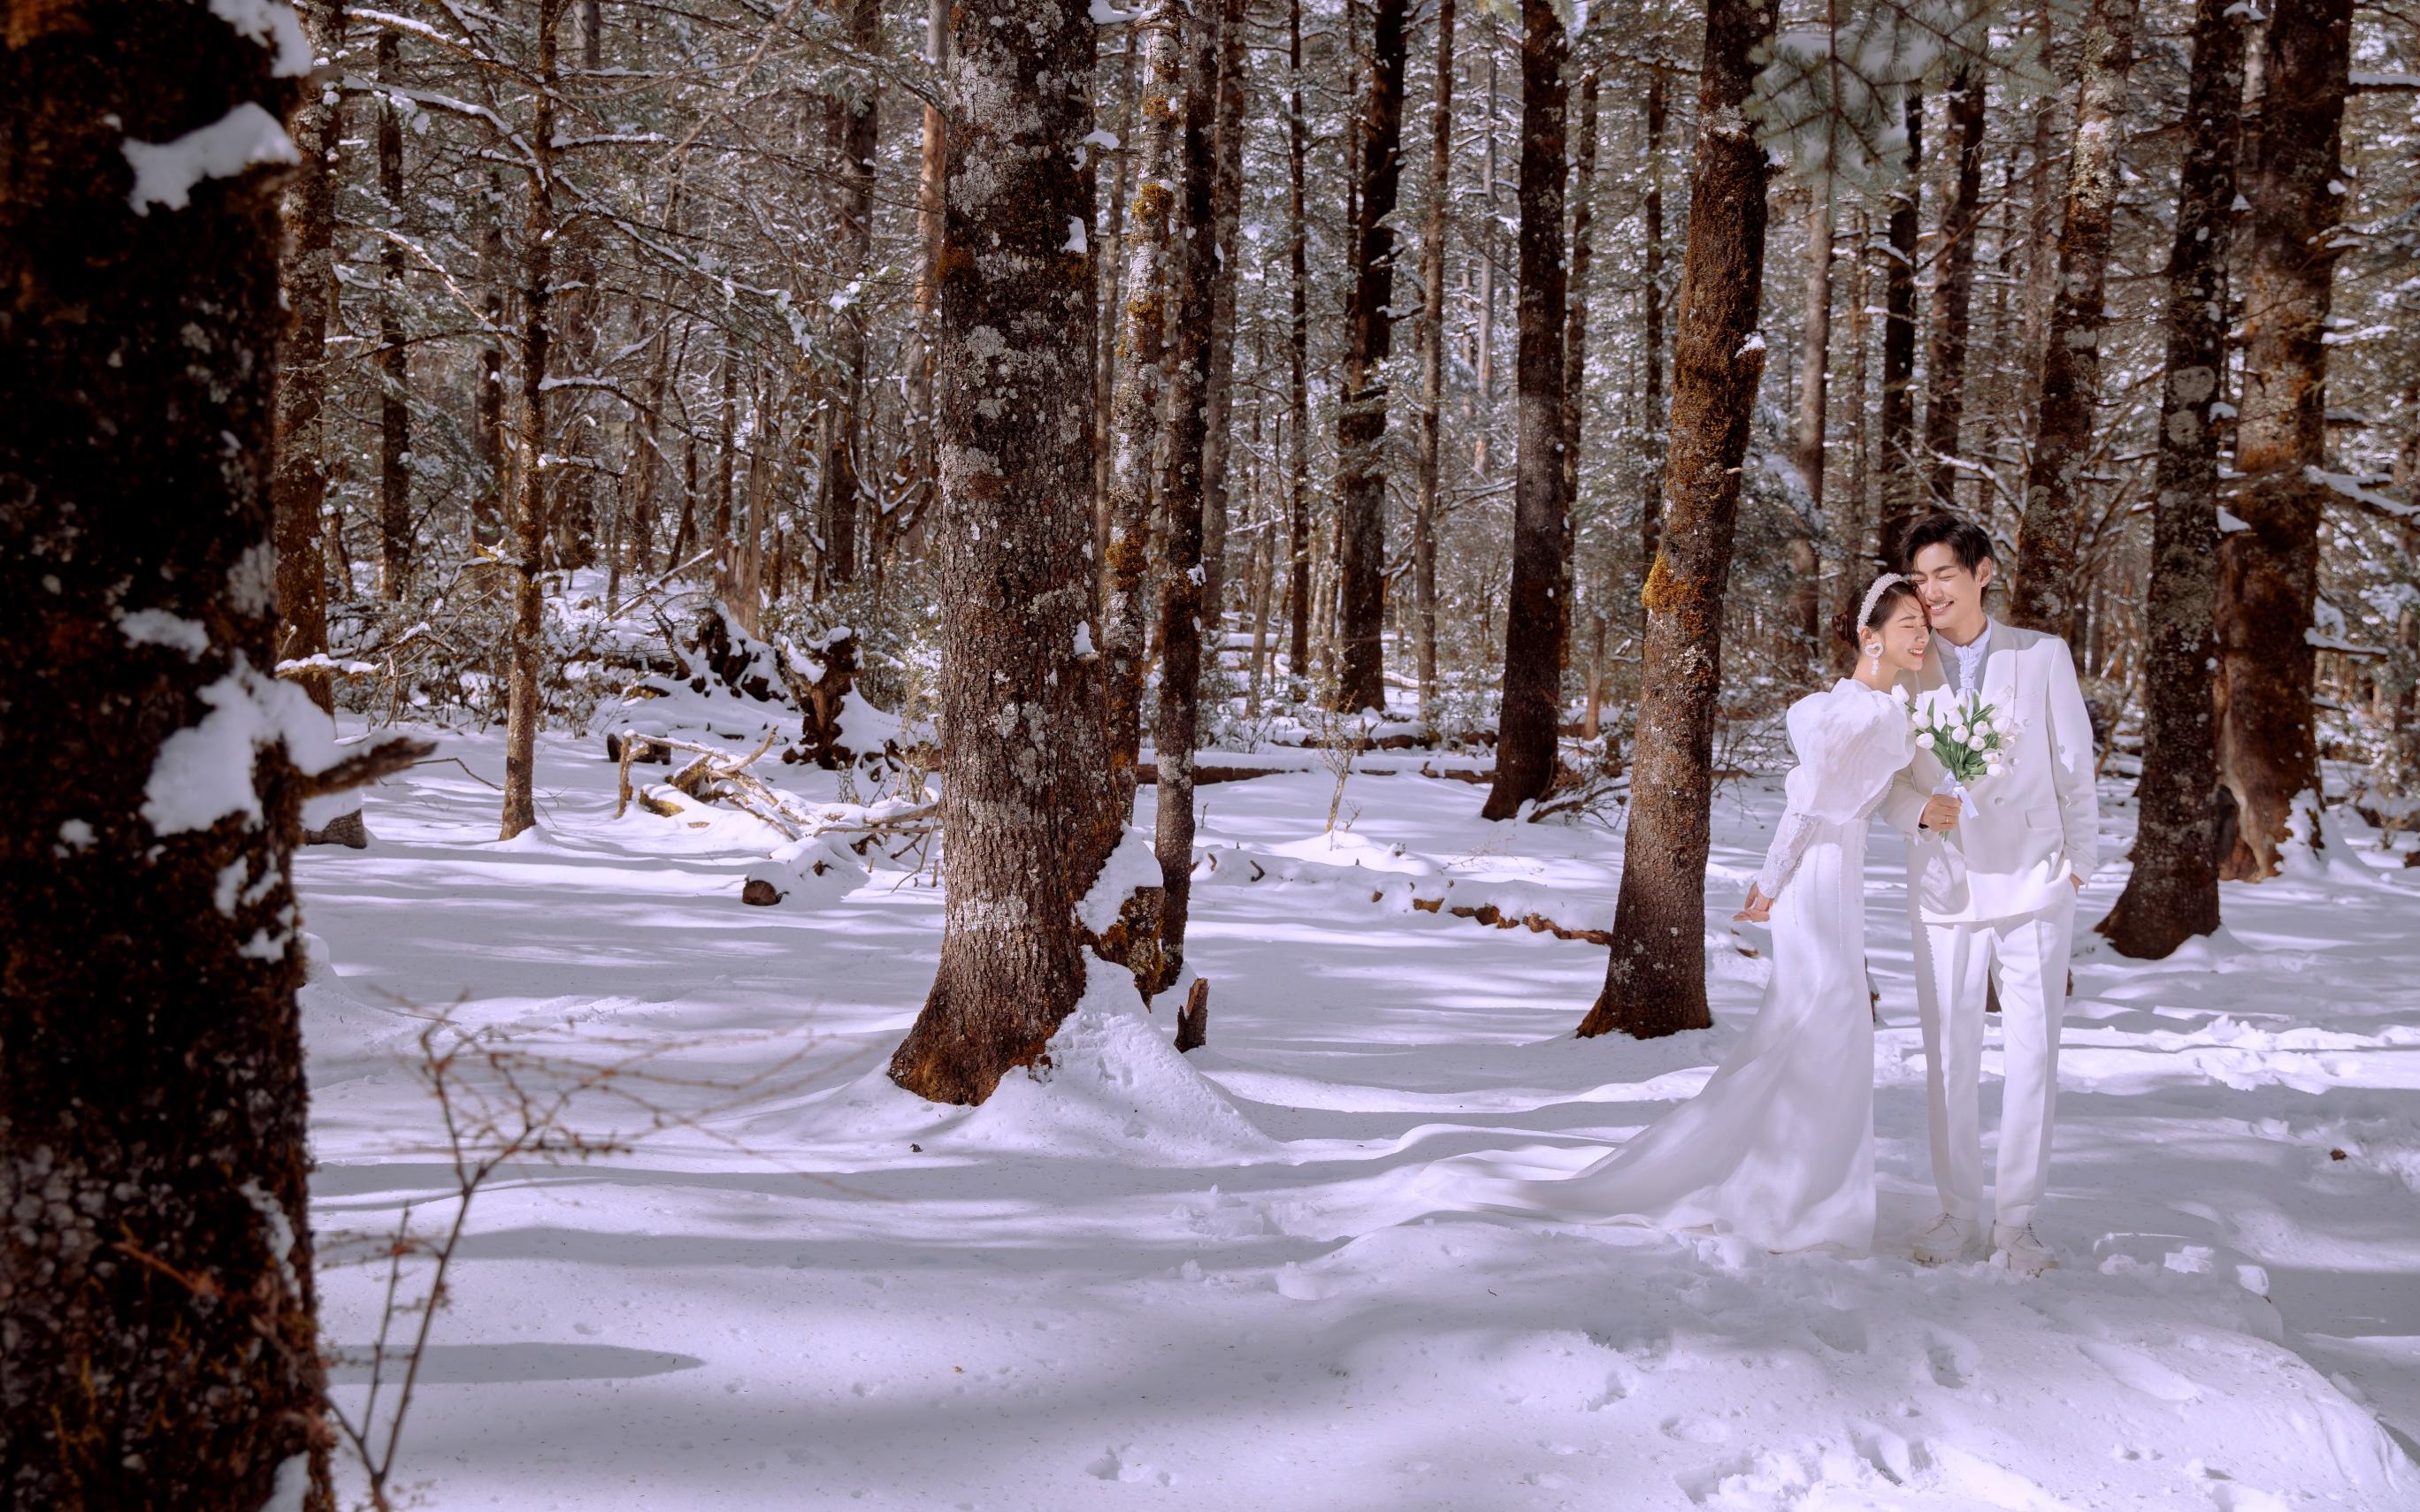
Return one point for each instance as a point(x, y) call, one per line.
point(1999, 686)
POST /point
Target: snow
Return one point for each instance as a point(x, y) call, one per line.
point(165, 172)
point(203, 773)
point(159, 627)
point(274, 27)
point(289, 1492)
point(1131, 864)
point(1198, 1281)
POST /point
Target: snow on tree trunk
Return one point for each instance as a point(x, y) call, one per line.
point(1655, 980)
point(1021, 688)
point(2268, 572)
point(1135, 419)
point(2172, 894)
point(1195, 274)
point(525, 647)
point(1361, 407)
point(157, 1341)
point(1897, 475)
point(1428, 442)
point(2049, 586)
point(1953, 299)
point(1533, 618)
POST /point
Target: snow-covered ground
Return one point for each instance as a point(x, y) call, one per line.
point(1163, 1280)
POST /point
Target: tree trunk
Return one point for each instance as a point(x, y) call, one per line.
point(1424, 516)
point(1850, 515)
point(1218, 403)
point(1110, 258)
point(1195, 273)
point(1806, 439)
point(2268, 572)
point(1953, 292)
point(1576, 353)
point(1022, 791)
point(487, 503)
point(1483, 397)
point(1533, 616)
point(851, 123)
point(1152, 282)
point(526, 647)
point(2172, 894)
point(1297, 368)
point(1655, 980)
point(394, 356)
point(1652, 423)
point(2048, 588)
point(308, 281)
point(156, 1286)
point(1361, 407)
point(933, 154)
point(1897, 474)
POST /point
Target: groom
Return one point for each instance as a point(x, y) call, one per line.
point(1993, 875)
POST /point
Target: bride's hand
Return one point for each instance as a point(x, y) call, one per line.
point(1757, 910)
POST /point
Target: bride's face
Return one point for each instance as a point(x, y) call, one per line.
point(1906, 637)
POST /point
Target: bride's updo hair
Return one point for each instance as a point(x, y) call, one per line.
point(1849, 627)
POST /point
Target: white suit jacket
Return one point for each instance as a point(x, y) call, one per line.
point(2038, 822)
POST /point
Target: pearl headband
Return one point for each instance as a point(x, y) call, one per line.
point(1866, 609)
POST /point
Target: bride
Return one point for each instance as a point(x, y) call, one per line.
point(1778, 1145)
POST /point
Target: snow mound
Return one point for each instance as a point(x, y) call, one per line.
point(1116, 1086)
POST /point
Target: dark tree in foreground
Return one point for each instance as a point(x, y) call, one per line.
point(2268, 572)
point(1655, 980)
point(157, 1342)
point(2172, 894)
point(2049, 574)
point(1361, 408)
point(1022, 783)
point(1533, 617)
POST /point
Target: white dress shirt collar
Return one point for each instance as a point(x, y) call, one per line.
point(1970, 660)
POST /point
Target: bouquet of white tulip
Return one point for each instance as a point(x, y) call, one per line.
point(1964, 734)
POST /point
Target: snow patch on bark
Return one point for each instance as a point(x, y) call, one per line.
point(204, 772)
point(1131, 866)
point(293, 1483)
point(165, 172)
point(274, 27)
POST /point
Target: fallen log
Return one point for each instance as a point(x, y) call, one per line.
point(1535, 923)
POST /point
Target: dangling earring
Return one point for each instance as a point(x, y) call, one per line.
point(1874, 658)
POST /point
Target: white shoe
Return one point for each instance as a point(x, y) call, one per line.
point(1945, 1241)
point(2015, 1248)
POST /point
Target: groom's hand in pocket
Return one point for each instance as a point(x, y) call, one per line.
point(1940, 813)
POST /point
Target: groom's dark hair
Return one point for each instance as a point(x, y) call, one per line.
point(1963, 537)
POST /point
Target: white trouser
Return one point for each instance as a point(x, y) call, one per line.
point(1952, 962)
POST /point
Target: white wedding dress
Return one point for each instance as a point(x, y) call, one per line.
point(1778, 1145)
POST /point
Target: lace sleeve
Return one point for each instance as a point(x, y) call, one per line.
point(1789, 839)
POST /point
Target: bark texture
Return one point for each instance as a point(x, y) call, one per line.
point(1219, 380)
point(1023, 755)
point(2268, 572)
point(299, 486)
point(1533, 617)
point(1655, 980)
point(2049, 582)
point(1650, 317)
point(1361, 408)
point(157, 1342)
point(852, 123)
point(2172, 894)
point(1807, 431)
point(1297, 364)
point(394, 356)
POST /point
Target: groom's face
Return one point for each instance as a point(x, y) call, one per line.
point(1952, 595)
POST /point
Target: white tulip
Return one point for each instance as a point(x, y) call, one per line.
point(1974, 742)
point(1982, 727)
point(1924, 739)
